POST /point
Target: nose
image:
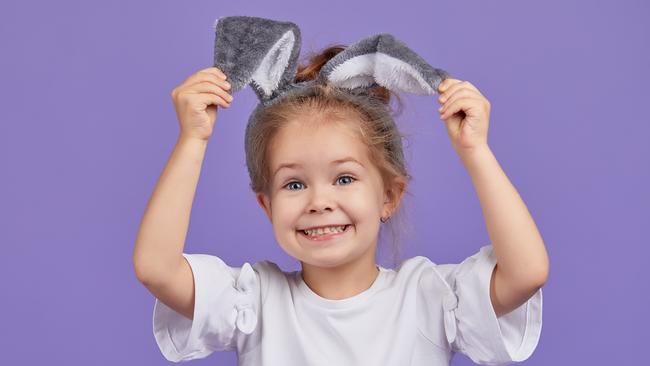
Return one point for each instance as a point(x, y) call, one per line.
point(313, 209)
point(320, 200)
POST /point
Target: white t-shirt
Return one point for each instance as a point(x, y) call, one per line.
point(420, 313)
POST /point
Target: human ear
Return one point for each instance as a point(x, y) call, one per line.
point(264, 202)
point(393, 195)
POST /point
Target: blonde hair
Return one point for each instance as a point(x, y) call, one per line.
point(374, 123)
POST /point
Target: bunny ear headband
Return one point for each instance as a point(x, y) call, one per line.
point(264, 53)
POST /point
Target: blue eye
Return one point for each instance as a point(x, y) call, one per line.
point(347, 176)
point(296, 182)
point(290, 183)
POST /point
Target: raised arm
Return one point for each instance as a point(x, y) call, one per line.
point(161, 238)
point(158, 255)
point(522, 261)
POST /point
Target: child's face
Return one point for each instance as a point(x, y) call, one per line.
point(318, 192)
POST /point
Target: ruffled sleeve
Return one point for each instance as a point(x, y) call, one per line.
point(226, 306)
point(470, 323)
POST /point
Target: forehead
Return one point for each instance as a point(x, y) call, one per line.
point(309, 142)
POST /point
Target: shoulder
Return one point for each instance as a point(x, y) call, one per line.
point(422, 275)
point(269, 271)
point(266, 266)
point(422, 267)
point(484, 257)
point(263, 273)
point(441, 278)
point(414, 265)
point(272, 278)
point(419, 266)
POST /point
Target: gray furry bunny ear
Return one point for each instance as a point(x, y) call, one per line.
point(257, 51)
point(384, 60)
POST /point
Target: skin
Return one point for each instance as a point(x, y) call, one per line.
point(319, 193)
point(522, 262)
point(346, 269)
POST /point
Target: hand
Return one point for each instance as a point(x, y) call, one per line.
point(196, 100)
point(466, 113)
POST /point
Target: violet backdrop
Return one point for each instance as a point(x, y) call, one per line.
point(87, 125)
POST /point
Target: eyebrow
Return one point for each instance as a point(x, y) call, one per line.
point(334, 162)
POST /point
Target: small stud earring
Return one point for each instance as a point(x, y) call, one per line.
point(383, 220)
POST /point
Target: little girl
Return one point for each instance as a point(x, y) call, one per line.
point(328, 173)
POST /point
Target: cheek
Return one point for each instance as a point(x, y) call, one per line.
point(285, 214)
point(362, 202)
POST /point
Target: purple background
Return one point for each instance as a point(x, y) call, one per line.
point(87, 125)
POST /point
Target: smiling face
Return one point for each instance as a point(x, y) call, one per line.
point(323, 187)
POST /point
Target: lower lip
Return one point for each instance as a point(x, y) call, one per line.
point(326, 236)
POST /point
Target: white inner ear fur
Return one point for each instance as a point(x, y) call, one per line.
point(386, 70)
point(268, 74)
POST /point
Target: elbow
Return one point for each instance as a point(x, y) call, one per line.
point(534, 275)
point(137, 268)
point(541, 275)
point(539, 268)
point(541, 280)
point(153, 273)
point(143, 267)
point(143, 271)
point(140, 273)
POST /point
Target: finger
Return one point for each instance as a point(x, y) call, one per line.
point(215, 71)
point(444, 96)
point(448, 90)
point(206, 76)
point(208, 99)
point(462, 84)
point(208, 87)
point(451, 95)
point(201, 76)
point(445, 84)
point(464, 103)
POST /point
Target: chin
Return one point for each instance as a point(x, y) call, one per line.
point(325, 262)
point(318, 257)
point(331, 258)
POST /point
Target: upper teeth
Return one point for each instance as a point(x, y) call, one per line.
point(327, 230)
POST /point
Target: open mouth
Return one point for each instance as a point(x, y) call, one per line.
point(324, 236)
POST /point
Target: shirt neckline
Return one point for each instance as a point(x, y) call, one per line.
point(341, 303)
